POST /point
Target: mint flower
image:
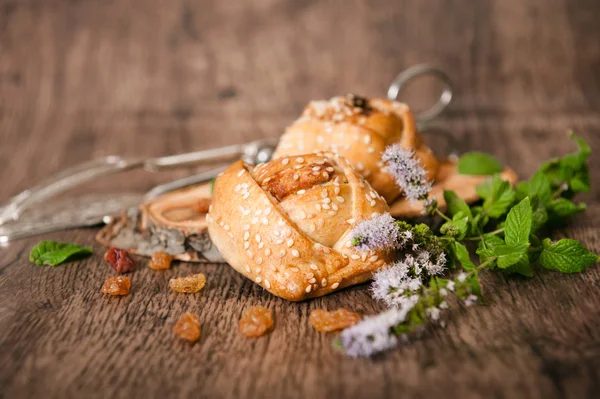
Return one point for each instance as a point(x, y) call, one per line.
point(378, 233)
point(373, 334)
point(408, 172)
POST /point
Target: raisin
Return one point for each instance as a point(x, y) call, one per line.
point(120, 260)
point(160, 260)
point(188, 327)
point(325, 321)
point(188, 284)
point(116, 286)
point(256, 321)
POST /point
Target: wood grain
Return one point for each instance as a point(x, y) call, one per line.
point(84, 78)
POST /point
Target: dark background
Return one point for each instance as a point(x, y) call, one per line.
point(84, 78)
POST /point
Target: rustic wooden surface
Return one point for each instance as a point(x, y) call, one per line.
point(85, 78)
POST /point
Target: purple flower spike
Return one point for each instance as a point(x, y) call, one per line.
point(408, 172)
point(378, 233)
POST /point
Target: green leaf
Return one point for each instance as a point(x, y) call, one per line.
point(486, 247)
point(478, 163)
point(522, 267)
point(566, 256)
point(498, 196)
point(518, 223)
point(571, 169)
point(462, 254)
point(473, 283)
point(509, 255)
point(563, 207)
point(54, 253)
point(457, 227)
point(539, 187)
point(540, 215)
point(456, 204)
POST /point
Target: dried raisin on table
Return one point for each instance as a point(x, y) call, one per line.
point(119, 285)
point(120, 260)
point(188, 327)
point(160, 260)
point(324, 321)
point(256, 321)
point(188, 284)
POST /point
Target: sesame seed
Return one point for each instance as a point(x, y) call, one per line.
point(312, 280)
point(336, 190)
point(318, 206)
point(258, 212)
point(320, 162)
point(258, 261)
point(373, 202)
point(265, 221)
point(282, 252)
point(298, 167)
point(279, 241)
point(312, 227)
point(246, 195)
point(237, 188)
point(367, 139)
point(246, 245)
point(295, 253)
point(373, 258)
point(276, 233)
point(326, 250)
point(360, 166)
point(308, 289)
point(335, 285)
point(326, 206)
point(332, 213)
point(285, 161)
point(241, 172)
point(330, 169)
point(326, 175)
point(258, 279)
point(296, 176)
point(290, 242)
point(373, 194)
point(248, 268)
point(316, 168)
point(267, 284)
point(319, 139)
point(226, 227)
point(302, 214)
point(314, 267)
point(254, 220)
point(371, 150)
point(355, 257)
point(260, 245)
point(268, 179)
point(301, 192)
point(324, 194)
point(246, 236)
point(246, 227)
point(267, 211)
point(230, 234)
point(326, 200)
point(294, 269)
point(334, 207)
point(348, 244)
point(246, 212)
point(310, 275)
point(249, 254)
point(221, 223)
point(363, 256)
point(257, 237)
point(268, 251)
point(299, 159)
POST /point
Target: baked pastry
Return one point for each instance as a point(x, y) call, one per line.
point(287, 224)
point(359, 129)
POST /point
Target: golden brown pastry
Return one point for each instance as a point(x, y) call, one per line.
point(359, 129)
point(287, 224)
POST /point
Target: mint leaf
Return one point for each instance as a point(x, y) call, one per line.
point(509, 255)
point(54, 253)
point(522, 267)
point(566, 256)
point(498, 196)
point(540, 215)
point(457, 227)
point(563, 207)
point(473, 283)
point(518, 223)
point(478, 163)
point(539, 186)
point(462, 254)
point(456, 204)
point(570, 170)
point(487, 246)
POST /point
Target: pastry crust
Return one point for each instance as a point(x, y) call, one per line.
point(287, 224)
point(359, 129)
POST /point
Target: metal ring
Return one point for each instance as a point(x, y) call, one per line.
point(415, 72)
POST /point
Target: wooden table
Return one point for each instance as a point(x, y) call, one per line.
point(81, 79)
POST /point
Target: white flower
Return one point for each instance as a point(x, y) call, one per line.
point(433, 313)
point(407, 171)
point(471, 300)
point(377, 233)
point(462, 277)
point(443, 305)
point(443, 292)
point(450, 286)
point(373, 334)
point(392, 284)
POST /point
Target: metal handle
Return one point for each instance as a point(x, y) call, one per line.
point(181, 183)
point(416, 72)
point(63, 181)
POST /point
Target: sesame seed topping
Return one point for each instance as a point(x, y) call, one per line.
point(267, 284)
point(308, 288)
point(258, 279)
point(373, 258)
point(230, 234)
point(355, 257)
point(299, 159)
point(246, 195)
point(348, 244)
point(312, 227)
point(290, 242)
point(316, 168)
point(363, 256)
point(268, 251)
point(326, 200)
point(301, 214)
point(276, 233)
point(285, 161)
point(226, 227)
point(324, 282)
point(296, 176)
point(246, 212)
point(249, 254)
point(310, 275)
point(246, 245)
point(330, 169)
point(282, 252)
point(241, 172)
point(294, 269)
point(279, 241)
point(295, 253)
point(246, 227)
point(326, 206)
point(298, 167)
point(335, 207)
point(324, 194)
point(335, 285)
point(314, 267)
point(265, 221)
point(371, 150)
point(258, 261)
point(312, 280)
point(257, 237)
point(258, 212)
point(360, 166)
point(320, 162)
point(373, 202)
point(326, 250)
point(367, 139)
point(336, 190)
point(260, 245)
point(301, 192)
point(254, 220)
point(267, 211)
point(246, 236)
point(247, 268)
point(318, 206)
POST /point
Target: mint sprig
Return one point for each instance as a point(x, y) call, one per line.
point(478, 163)
point(54, 253)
